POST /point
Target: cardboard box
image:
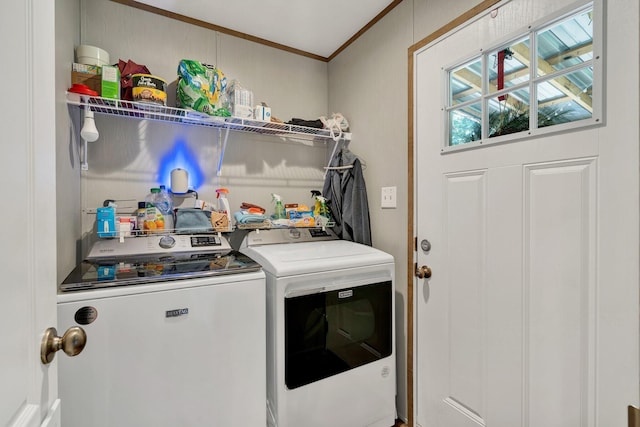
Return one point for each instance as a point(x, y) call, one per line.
point(262, 113)
point(106, 222)
point(110, 82)
point(94, 82)
point(96, 70)
point(301, 219)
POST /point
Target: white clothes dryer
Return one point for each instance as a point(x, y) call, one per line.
point(330, 329)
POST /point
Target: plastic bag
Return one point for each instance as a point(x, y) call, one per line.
point(128, 69)
point(199, 86)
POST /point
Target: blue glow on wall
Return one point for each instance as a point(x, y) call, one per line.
point(180, 156)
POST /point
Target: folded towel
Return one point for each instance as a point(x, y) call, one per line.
point(192, 220)
point(244, 217)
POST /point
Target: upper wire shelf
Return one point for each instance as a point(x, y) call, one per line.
point(138, 110)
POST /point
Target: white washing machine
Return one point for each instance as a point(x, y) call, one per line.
point(330, 329)
point(175, 335)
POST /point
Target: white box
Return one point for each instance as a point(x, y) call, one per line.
point(262, 113)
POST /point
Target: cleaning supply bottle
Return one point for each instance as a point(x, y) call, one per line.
point(141, 214)
point(223, 203)
point(278, 212)
point(317, 206)
point(164, 202)
point(321, 212)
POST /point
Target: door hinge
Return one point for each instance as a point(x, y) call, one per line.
point(415, 244)
point(634, 416)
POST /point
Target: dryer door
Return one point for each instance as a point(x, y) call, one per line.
point(331, 332)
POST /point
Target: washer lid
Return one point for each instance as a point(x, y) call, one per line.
point(105, 273)
point(310, 257)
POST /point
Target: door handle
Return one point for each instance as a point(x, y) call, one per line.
point(423, 272)
point(72, 343)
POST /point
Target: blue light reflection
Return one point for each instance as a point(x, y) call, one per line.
point(180, 156)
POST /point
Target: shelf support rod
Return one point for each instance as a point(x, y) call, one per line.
point(85, 155)
point(222, 146)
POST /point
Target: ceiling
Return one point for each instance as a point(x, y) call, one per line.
point(317, 28)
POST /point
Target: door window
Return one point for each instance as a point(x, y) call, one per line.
point(547, 79)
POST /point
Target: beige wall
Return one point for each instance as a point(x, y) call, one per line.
point(67, 164)
point(123, 162)
point(368, 83)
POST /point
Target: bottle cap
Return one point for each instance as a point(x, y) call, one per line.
point(142, 205)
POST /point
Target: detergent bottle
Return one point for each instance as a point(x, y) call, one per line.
point(278, 212)
point(223, 203)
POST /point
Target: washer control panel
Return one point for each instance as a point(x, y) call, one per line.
point(158, 244)
point(287, 235)
point(200, 241)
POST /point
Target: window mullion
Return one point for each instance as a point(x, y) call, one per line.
point(533, 88)
point(484, 127)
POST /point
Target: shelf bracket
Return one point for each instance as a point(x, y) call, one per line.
point(333, 153)
point(88, 132)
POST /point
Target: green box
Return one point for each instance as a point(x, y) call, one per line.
point(110, 82)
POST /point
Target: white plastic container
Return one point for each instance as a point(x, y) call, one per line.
point(91, 55)
point(223, 204)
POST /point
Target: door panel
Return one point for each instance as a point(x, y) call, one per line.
point(28, 390)
point(530, 316)
point(465, 240)
point(559, 281)
point(504, 298)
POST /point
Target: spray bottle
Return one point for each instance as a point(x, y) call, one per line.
point(278, 212)
point(223, 203)
point(321, 212)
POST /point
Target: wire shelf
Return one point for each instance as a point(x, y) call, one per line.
point(138, 110)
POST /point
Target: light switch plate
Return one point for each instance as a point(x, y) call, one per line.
point(388, 199)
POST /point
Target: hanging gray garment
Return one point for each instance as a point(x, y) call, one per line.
point(346, 195)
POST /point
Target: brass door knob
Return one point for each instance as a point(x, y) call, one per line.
point(423, 272)
point(72, 343)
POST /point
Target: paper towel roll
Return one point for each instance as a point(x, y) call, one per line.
point(179, 181)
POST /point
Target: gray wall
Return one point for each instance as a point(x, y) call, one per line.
point(367, 83)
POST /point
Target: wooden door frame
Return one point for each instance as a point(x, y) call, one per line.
point(412, 239)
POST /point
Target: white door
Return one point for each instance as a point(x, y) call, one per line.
point(28, 389)
point(530, 317)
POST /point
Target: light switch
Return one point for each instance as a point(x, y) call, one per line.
point(388, 199)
